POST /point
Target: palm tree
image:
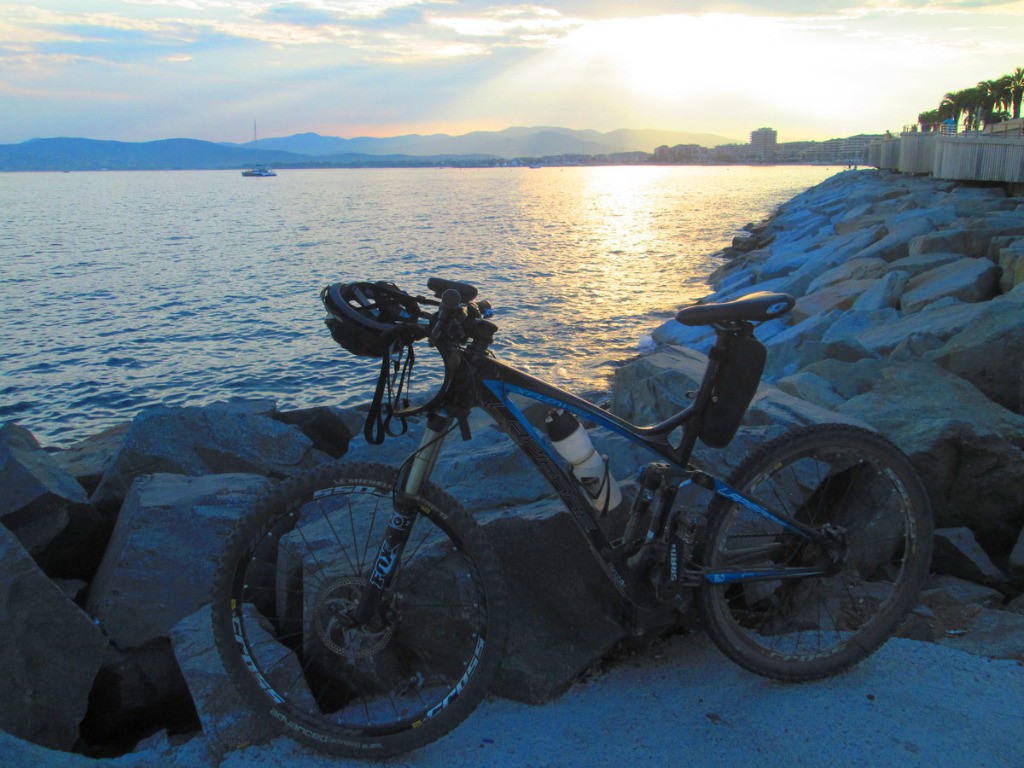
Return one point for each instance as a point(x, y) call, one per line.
point(992, 98)
point(929, 120)
point(952, 106)
point(1016, 89)
point(974, 104)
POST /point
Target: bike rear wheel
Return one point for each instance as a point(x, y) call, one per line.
point(866, 491)
point(284, 599)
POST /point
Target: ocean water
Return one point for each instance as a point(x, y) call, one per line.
point(122, 290)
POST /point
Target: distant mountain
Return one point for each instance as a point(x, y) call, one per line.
point(509, 143)
point(312, 150)
point(65, 154)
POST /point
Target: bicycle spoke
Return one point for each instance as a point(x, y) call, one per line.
point(794, 605)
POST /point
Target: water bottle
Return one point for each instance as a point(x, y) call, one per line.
point(590, 468)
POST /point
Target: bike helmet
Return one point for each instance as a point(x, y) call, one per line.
point(368, 319)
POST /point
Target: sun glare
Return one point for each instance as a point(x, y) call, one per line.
point(655, 71)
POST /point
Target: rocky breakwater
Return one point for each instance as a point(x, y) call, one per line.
point(908, 320)
point(108, 548)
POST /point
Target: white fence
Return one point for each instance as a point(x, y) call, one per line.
point(963, 157)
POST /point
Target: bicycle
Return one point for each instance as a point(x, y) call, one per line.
point(362, 609)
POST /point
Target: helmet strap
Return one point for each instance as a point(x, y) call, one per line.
point(395, 373)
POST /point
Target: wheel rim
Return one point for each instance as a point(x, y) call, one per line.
point(295, 594)
point(816, 618)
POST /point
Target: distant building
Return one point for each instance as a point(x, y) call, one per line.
point(681, 153)
point(762, 144)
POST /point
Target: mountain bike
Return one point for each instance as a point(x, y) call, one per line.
point(362, 609)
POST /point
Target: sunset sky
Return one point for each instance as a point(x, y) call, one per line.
point(139, 70)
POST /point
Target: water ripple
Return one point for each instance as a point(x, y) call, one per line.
point(124, 290)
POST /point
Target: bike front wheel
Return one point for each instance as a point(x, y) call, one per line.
point(285, 598)
point(864, 492)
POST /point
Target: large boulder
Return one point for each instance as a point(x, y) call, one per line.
point(969, 280)
point(971, 240)
point(159, 565)
point(888, 333)
point(204, 441)
point(900, 230)
point(566, 613)
point(88, 459)
point(1011, 261)
point(987, 351)
point(50, 653)
point(46, 508)
point(853, 269)
point(839, 296)
point(227, 722)
point(968, 450)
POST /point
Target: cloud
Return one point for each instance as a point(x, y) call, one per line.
point(336, 65)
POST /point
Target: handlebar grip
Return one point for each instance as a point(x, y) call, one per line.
point(451, 299)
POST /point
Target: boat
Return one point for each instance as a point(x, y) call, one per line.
point(259, 170)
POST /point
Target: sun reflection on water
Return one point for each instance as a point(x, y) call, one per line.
point(190, 287)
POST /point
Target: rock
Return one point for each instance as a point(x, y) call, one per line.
point(202, 441)
point(802, 267)
point(886, 332)
point(560, 626)
point(159, 565)
point(88, 459)
point(968, 280)
point(896, 243)
point(973, 241)
point(840, 296)
point(137, 691)
point(987, 632)
point(1016, 559)
point(986, 351)
point(924, 262)
point(798, 346)
point(812, 388)
point(956, 552)
point(329, 428)
point(969, 456)
point(47, 509)
point(853, 269)
point(884, 293)
point(50, 653)
point(654, 386)
point(944, 591)
point(1011, 261)
point(227, 722)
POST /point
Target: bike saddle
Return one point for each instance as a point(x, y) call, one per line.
point(754, 307)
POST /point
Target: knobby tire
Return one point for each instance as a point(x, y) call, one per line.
point(291, 575)
point(807, 628)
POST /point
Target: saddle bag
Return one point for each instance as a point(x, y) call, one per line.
point(734, 388)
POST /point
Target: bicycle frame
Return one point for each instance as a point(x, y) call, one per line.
point(493, 385)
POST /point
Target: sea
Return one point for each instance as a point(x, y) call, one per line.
point(125, 290)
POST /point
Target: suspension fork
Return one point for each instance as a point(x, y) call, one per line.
point(403, 515)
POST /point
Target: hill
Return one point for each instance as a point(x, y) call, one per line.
point(538, 141)
point(313, 150)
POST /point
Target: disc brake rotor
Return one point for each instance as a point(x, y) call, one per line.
point(334, 606)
